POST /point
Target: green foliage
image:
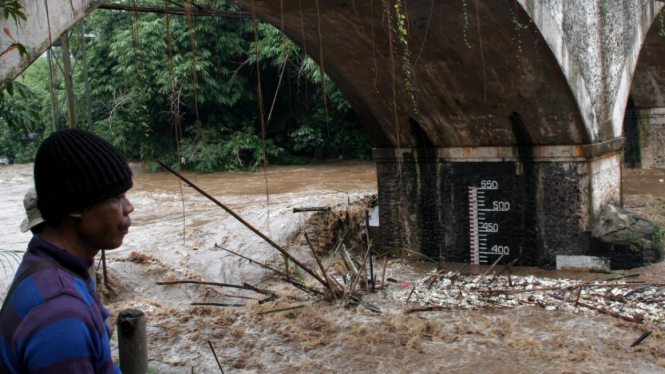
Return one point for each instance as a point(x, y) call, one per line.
point(138, 94)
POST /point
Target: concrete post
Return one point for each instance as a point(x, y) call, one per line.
point(132, 342)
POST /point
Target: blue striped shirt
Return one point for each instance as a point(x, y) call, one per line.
point(55, 321)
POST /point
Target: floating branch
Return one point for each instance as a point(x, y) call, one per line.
point(604, 311)
point(640, 339)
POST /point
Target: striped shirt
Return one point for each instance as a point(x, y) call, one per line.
point(54, 322)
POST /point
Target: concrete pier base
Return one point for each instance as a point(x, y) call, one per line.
point(474, 204)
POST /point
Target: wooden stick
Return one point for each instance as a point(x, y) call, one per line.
point(603, 285)
point(604, 311)
point(216, 304)
point(383, 275)
point(203, 283)
point(311, 209)
point(216, 359)
point(493, 265)
point(244, 286)
point(640, 339)
point(329, 284)
point(369, 243)
point(282, 310)
point(245, 223)
point(431, 308)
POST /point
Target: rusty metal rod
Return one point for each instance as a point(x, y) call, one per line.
point(247, 224)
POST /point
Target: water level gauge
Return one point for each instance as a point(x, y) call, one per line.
point(488, 209)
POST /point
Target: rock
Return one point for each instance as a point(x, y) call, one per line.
point(619, 226)
point(628, 240)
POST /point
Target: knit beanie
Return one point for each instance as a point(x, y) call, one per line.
point(75, 169)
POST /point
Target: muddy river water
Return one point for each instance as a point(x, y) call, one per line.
point(175, 236)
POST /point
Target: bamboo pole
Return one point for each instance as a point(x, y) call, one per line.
point(323, 270)
point(241, 220)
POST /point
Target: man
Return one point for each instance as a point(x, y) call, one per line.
point(52, 320)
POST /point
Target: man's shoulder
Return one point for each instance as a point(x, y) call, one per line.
point(47, 284)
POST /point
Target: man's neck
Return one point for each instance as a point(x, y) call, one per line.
point(64, 237)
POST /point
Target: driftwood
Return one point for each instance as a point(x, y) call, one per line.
point(431, 308)
point(604, 311)
point(640, 339)
point(311, 209)
point(244, 286)
point(282, 310)
point(216, 304)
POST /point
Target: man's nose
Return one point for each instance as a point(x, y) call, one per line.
point(128, 207)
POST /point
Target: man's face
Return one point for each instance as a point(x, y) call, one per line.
point(105, 224)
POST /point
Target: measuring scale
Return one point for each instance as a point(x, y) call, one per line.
point(486, 210)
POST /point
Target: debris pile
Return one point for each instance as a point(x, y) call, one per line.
point(634, 301)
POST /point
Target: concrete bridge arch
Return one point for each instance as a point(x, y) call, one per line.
point(539, 110)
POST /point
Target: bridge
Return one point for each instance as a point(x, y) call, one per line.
point(498, 125)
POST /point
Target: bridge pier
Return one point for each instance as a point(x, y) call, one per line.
point(645, 133)
point(470, 204)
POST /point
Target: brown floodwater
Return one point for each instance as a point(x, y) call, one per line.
point(333, 176)
point(643, 182)
point(322, 337)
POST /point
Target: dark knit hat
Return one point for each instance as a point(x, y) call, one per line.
point(76, 168)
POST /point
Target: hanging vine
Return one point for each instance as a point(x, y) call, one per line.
point(192, 38)
point(175, 109)
point(321, 63)
point(260, 99)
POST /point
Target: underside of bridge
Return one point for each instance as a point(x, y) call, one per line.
point(497, 124)
point(494, 121)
